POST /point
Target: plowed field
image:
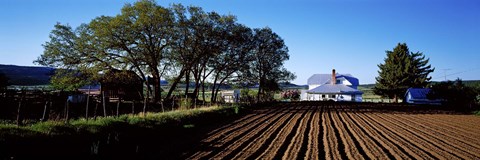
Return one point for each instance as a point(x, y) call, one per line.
point(330, 131)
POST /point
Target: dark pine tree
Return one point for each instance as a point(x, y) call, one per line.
point(402, 69)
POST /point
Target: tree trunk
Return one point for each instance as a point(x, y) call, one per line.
point(218, 87)
point(395, 99)
point(118, 105)
point(104, 104)
point(67, 107)
point(145, 104)
point(203, 92)
point(133, 107)
point(18, 111)
point(45, 111)
point(156, 87)
point(88, 102)
point(213, 98)
point(174, 84)
point(260, 89)
point(95, 111)
point(187, 82)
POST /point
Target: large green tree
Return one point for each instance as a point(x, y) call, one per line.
point(401, 70)
point(133, 40)
point(266, 68)
point(181, 43)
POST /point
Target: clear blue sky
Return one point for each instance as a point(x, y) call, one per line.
point(348, 35)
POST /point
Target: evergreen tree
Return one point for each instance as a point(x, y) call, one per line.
point(419, 70)
point(402, 69)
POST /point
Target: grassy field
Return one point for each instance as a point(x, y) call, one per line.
point(91, 125)
point(370, 96)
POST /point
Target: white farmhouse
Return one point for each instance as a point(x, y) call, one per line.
point(332, 87)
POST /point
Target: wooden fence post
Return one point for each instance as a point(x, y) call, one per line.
point(88, 102)
point(118, 105)
point(45, 110)
point(173, 102)
point(95, 111)
point(67, 107)
point(133, 107)
point(104, 105)
point(145, 105)
point(18, 110)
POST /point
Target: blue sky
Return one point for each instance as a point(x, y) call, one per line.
point(350, 36)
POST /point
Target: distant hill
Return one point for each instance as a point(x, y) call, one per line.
point(470, 83)
point(292, 86)
point(27, 75)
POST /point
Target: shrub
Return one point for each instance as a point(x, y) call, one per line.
point(455, 94)
point(477, 113)
point(293, 95)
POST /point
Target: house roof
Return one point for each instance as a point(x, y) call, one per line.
point(320, 79)
point(418, 93)
point(334, 88)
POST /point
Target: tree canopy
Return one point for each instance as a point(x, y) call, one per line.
point(179, 43)
point(455, 93)
point(401, 70)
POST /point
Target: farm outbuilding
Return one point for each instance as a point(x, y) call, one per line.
point(419, 96)
point(117, 84)
point(332, 87)
point(231, 96)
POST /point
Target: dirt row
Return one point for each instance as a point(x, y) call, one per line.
point(331, 131)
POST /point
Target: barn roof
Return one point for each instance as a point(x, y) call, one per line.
point(333, 88)
point(320, 79)
point(418, 93)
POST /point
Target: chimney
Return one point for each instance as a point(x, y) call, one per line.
point(334, 77)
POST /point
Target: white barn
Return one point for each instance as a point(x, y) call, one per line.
point(332, 87)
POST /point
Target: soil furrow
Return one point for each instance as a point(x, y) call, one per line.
point(284, 145)
point(341, 145)
point(468, 121)
point(352, 147)
point(222, 144)
point(415, 137)
point(230, 151)
point(416, 150)
point(275, 143)
point(240, 124)
point(389, 146)
point(255, 148)
point(459, 129)
point(464, 152)
point(371, 150)
point(311, 130)
point(456, 133)
point(314, 135)
point(321, 145)
point(298, 140)
point(331, 143)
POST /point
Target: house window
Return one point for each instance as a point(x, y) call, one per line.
point(323, 96)
point(338, 82)
point(333, 96)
